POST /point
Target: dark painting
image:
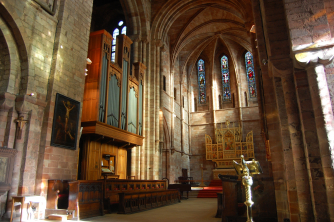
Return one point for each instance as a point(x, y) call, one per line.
point(65, 122)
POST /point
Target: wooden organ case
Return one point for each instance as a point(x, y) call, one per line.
point(112, 114)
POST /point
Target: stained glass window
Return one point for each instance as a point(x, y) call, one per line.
point(225, 79)
point(250, 75)
point(201, 81)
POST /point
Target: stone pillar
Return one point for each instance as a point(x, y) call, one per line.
point(304, 209)
point(288, 164)
point(146, 102)
point(156, 150)
point(312, 151)
point(323, 115)
point(134, 161)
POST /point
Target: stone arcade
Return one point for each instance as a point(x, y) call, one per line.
point(267, 64)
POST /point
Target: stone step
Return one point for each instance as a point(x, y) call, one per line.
point(69, 213)
point(61, 217)
point(193, 193)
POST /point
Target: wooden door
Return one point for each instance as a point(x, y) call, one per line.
point(94, 161)
point(121, 163)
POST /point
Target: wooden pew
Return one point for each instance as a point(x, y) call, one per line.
point(130, 202)
point(86, 198)
point(113, 187)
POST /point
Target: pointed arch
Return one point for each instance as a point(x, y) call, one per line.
point(18, 56)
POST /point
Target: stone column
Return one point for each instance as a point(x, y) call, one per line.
point(287, 160)
point(311, 143)
point(299, 161)
point(323, 115)
point(141, 150)
point(156, 151)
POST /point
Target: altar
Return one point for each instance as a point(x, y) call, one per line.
point(229, 146)
point(216, 172)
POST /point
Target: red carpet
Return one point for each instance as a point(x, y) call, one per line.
point(211, 191)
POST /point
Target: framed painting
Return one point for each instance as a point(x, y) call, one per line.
point(7, 157)
point(65, 122)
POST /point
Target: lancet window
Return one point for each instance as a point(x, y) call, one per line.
point(114, 35)
point(225, 79)
point(250, 75)
point(201, 81)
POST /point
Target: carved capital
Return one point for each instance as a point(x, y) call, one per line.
point(7, 101)
point(134, 38)
point(146, 38)
point(311, 57)
point(24, 104)
point(159, 43)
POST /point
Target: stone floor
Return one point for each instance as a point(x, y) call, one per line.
point(192, 209)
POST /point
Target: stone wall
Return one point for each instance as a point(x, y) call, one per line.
point(46, 57)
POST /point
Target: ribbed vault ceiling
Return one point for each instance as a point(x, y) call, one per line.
point(191, 25)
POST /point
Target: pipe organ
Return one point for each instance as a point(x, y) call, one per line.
point(112, 113)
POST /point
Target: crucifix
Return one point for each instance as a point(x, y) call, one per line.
point(20, 124)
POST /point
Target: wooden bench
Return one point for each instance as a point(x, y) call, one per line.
point(130, 202)
point(113, 187)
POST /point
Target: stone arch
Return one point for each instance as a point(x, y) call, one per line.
point(12, 41)
point(4, 62)
point(138, 24)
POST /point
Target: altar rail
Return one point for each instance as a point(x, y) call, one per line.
point(113, 187)
point(132, 202)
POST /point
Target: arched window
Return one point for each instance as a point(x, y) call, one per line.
point(124, 30)
point(225, 79)
point(201, 81)
point(250, 75)
point(113, 47)
point(121, 26)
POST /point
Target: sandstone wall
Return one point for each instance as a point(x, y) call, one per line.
point(45, 55)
